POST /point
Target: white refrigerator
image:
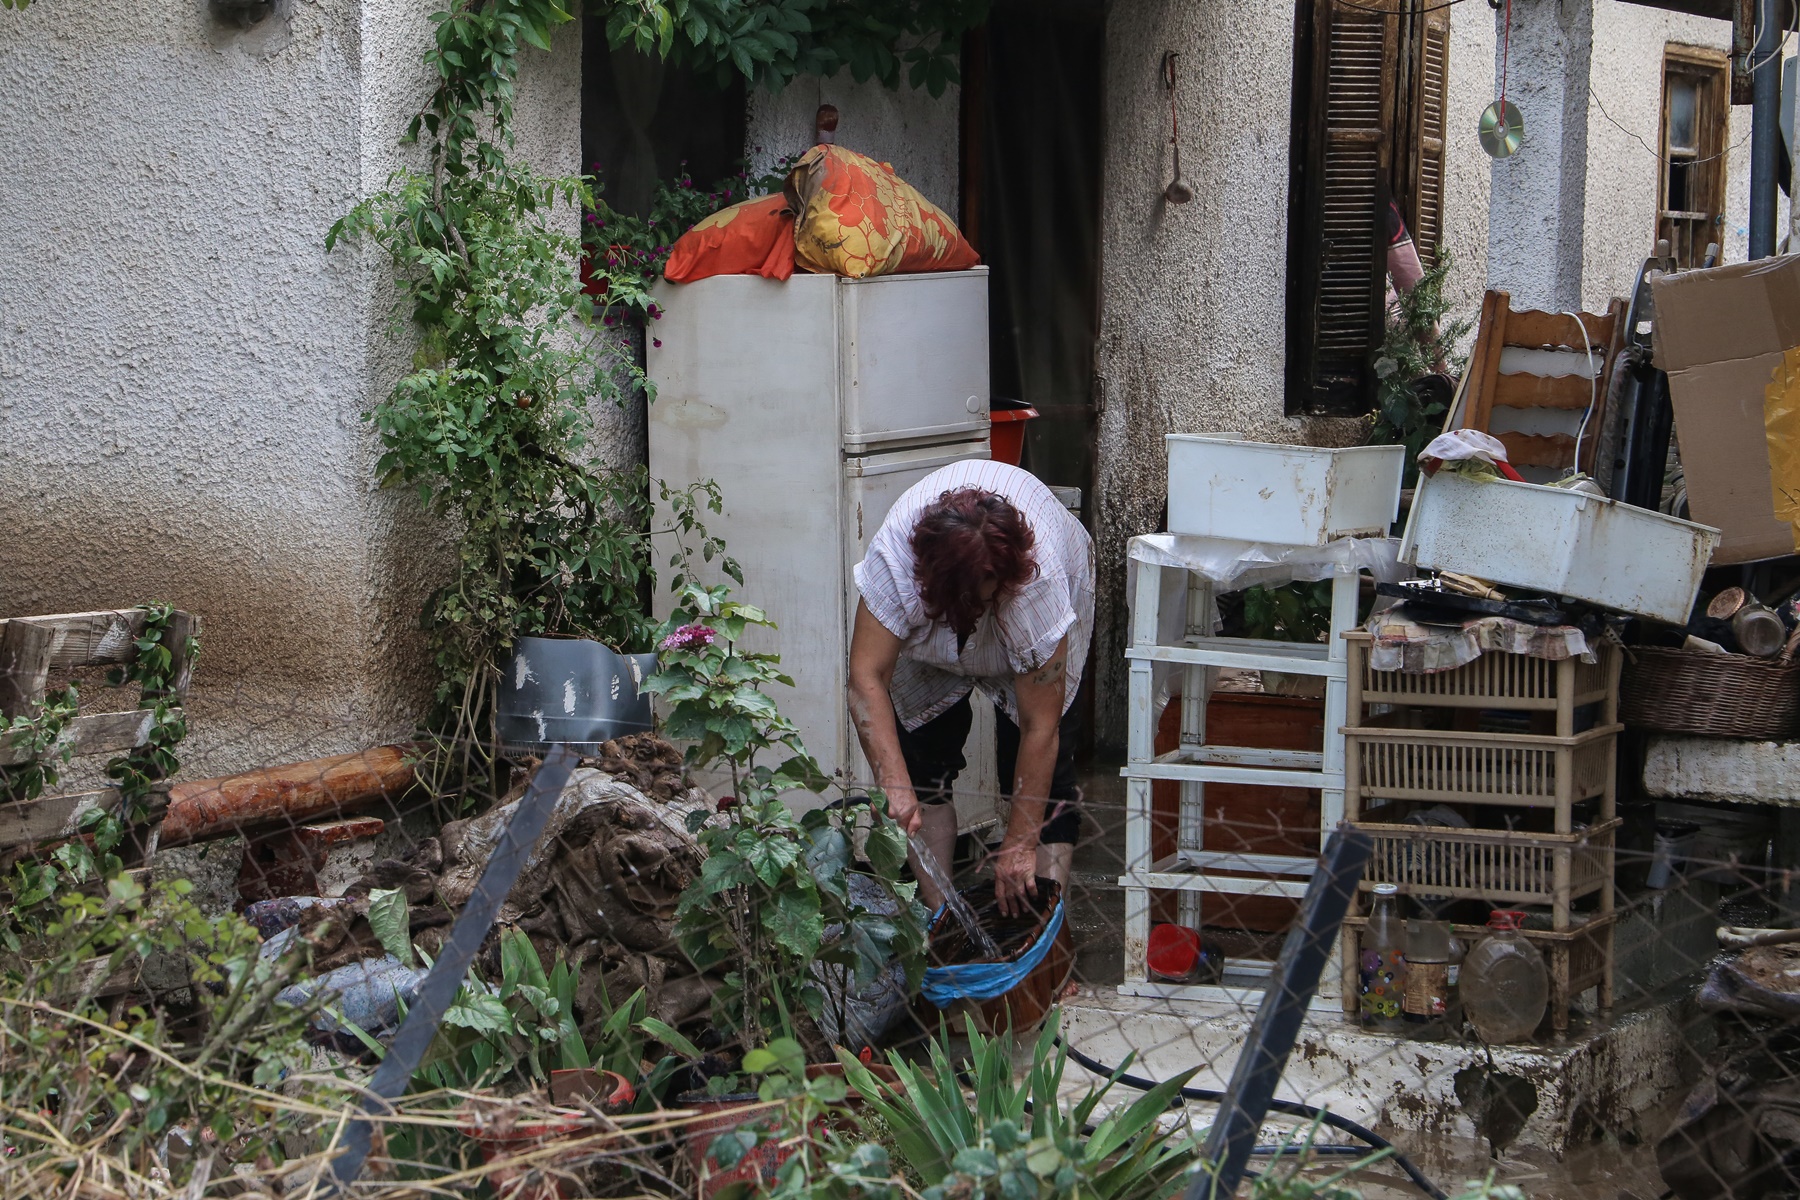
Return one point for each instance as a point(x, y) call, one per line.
point(814, 404)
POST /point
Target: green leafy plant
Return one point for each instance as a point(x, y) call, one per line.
point(770, 41)
point(1006, 1138)
point(773, 883)
point(1417, 343)
point(808, 1122)
point(1289, 612)
point(34, 735)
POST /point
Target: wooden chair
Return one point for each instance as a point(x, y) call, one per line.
point(1529, 383)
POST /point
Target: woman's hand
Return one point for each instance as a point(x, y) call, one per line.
point(1015, 875)
point(903, 806)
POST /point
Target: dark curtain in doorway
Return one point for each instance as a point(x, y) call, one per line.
point(1033, 185)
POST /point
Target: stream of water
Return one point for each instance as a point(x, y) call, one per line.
point(959, 908)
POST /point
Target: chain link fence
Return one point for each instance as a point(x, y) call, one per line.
point(224, 987)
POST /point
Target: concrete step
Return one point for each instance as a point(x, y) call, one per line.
point(1610, 1078)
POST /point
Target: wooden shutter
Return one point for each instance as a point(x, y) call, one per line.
point(1339, 188)
point(1425, 187)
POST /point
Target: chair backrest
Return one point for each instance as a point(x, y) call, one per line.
point(1532, 379)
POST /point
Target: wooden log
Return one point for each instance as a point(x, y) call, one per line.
point(286, 795)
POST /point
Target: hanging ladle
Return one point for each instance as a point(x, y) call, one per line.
point(1179, 191)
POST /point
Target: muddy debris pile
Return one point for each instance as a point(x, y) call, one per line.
point(599, 890)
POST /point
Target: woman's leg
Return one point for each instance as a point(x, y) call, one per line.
point(1062, 817)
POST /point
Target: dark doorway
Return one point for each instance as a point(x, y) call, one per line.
point(644, 121)
point(1031, 203)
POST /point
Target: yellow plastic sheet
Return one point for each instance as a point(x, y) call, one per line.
point(1781, 425)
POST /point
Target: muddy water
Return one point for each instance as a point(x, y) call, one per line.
point(959, 908)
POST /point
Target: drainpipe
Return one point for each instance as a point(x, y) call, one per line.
point(1765, 126)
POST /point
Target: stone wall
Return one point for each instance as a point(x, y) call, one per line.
point(183, 369)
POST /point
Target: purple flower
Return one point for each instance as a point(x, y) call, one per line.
point(690, 637)
point(657, 342)
point(655, 313)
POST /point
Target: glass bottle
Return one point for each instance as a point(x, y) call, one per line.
point(1505, 986)
point(1426, 1001)
point(1383, 965)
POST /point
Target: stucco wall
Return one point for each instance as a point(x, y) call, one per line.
point(918, 133)
point(182, 367)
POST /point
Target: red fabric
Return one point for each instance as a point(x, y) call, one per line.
point(755, 237)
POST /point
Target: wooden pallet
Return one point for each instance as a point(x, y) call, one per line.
point(32, 651)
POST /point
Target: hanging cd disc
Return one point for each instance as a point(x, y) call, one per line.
point(1502, 129)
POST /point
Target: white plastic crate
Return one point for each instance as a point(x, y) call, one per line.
point(1285, 495)
point(1560, 542)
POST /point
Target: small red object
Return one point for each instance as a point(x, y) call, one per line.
point(867, 1056)
point(1174, 951)
point(1007, 434)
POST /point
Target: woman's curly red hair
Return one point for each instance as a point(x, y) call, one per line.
point(963, 539)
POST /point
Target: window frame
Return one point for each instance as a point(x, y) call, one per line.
point(1710, 70)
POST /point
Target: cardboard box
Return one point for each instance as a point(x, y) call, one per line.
point(1730, 340)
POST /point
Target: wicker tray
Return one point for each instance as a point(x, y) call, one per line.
point(1495, 865)
point(1478, 768)
point(1717, 695)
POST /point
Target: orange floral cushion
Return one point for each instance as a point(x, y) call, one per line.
point(855, 217)
point(755, 237)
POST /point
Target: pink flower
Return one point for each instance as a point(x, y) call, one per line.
point(690, 637)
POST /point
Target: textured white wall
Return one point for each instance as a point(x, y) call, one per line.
point(918, 134)
point(1194, 297)
point(182, 367)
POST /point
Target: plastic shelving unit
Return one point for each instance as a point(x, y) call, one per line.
point(1193, 870)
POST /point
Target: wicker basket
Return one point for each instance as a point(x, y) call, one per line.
point(1717, 695)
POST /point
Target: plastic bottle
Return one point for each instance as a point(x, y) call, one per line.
point(1426, 1002)
point(1384, 961)
point(1505, 986)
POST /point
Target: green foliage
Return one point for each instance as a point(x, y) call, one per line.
point(772, 882)
point(1004, 1138)
point(770, 41)
point(811, 1120)
point(1289, 612)
point(124, 1079)
point(511, 1033)
point(35, 733)
point(625, 254)
point(1417, 343)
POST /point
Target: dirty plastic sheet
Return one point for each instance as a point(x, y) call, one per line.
point(1413, 648)
point(1230, 566)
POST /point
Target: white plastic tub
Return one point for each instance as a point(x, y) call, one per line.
point(1288, 495)
point(1560, 542)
